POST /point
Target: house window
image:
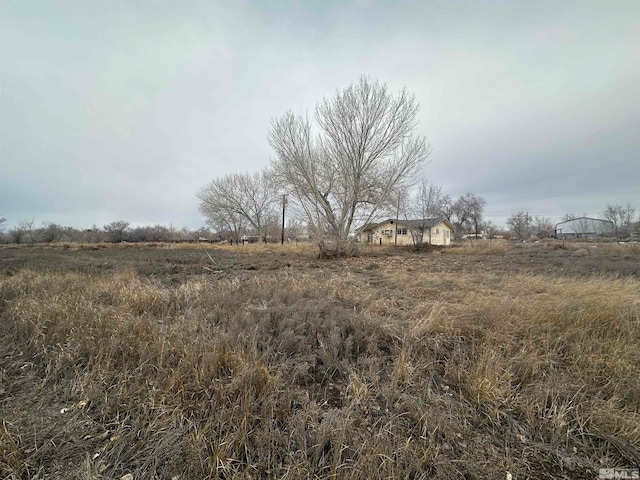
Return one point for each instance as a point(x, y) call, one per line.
point(447, 233)
point(401, 231)
point(386, 232)
point(437, 231)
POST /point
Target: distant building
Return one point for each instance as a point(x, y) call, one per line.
point(584, 227)
point(502, 235)
point(250, 238)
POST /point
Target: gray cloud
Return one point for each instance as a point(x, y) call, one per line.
point(123, 110)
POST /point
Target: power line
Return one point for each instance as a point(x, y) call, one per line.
point(538, 214)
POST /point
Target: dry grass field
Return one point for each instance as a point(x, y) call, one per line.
point(264, 362)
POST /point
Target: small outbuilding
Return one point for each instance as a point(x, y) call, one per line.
point(433, 231)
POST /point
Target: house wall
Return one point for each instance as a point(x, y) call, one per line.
point(384, 234)
point(441, 234)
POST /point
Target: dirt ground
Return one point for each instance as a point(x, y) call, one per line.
point(177, 362)
point(171, 262)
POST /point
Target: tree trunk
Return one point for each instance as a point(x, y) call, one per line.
point(337, 248)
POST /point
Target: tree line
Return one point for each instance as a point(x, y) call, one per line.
point(115, 232)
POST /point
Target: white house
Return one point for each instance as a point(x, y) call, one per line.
point(434, 231)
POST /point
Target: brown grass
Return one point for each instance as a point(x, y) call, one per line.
point(373, 367)
point(482, 247)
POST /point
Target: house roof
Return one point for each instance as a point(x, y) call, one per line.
point(582, 219)
point(413, 223)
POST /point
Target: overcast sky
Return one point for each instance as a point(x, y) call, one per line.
point(124, 110)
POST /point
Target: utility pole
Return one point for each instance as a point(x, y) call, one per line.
point(284, 203)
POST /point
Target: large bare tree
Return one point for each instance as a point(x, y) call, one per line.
point(116, 231)
point(520, 225)
point(621, 217)
point(465, 213)
point(614, 214)
point(628, 216)
point(490, 229)
point(353, 165)
point(22, 232)
point(240, 199)
point(228, 224)
point(542, 227)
